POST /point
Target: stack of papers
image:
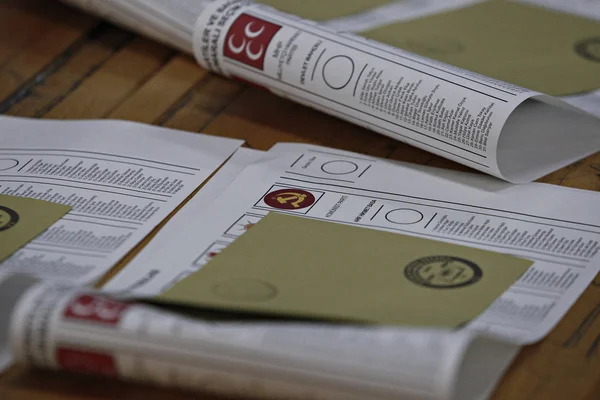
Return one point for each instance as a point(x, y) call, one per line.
point(548, 64)
point(485, 116)
point(119, 187)
point(322, 352)
point(305, 271)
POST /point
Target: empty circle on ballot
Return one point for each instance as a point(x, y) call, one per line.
point(8, 163)
point(404, 216)
point(338, 71)
point(339, 167)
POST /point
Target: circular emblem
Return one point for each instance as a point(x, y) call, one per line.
point(589, 48)
point(8, 218)
point(245, 290)
point(443, 272)
point(290, 199)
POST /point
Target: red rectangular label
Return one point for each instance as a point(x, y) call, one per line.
point(95, 309)
point(86, 362)
point(248, 39)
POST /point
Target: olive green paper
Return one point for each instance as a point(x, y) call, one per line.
point(319, 10)
point(548, 51)
point(22, 219)
point(304, 268)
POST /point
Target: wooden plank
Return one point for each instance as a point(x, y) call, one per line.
point(263, 119)
point(583, 174)
point(116, 80)
point(23, 383)
point(44, 94)
point(202, 104)
point(47, 33)
point(22, 22)
point(166, 87)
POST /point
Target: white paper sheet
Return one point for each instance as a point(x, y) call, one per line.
point(503, 130)
point(589, 102)
point(558, 228)
point(121, 179)
point(77, 330)
point(168, 21)
point(141, 275)
point(495, 127)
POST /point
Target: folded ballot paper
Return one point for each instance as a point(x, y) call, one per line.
point(118, 180)
point(22, 219)
point(534, 245)
point(84, 331)
point(497, 127)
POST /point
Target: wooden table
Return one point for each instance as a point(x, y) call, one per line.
point(58, 63)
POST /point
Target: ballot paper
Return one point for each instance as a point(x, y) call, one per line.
point(168, 21)
point(499, 128)
point(496, 127)
point(120, 178)
point(342, 273)
point(22, 219)
point(589, 102)
point(558, 228)
point(78, 330)
point(151, 279)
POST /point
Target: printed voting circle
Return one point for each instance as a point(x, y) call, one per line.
point(404, 216)
point(8, 163)
point(338, 71)
point(339, 167)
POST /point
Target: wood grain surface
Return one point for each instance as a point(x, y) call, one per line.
point(58, 63)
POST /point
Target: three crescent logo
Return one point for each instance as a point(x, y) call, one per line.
point(248, 38)
point(253, 34)
point(246, 44)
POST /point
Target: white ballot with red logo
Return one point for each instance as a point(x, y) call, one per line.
point(556, 227)
point(120, 178)
point(82, 331)
point(496, 127)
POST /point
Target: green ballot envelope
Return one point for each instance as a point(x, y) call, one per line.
point(548, 51)
point(22, 219)
point(319, 10)
point(298, 267)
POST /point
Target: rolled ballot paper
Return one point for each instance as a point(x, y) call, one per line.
point(495, 127)
point(83, 331)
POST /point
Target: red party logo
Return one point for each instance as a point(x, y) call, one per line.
point(86, 362)
point(247, 40)
point(290, 199)
point(95, 309)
